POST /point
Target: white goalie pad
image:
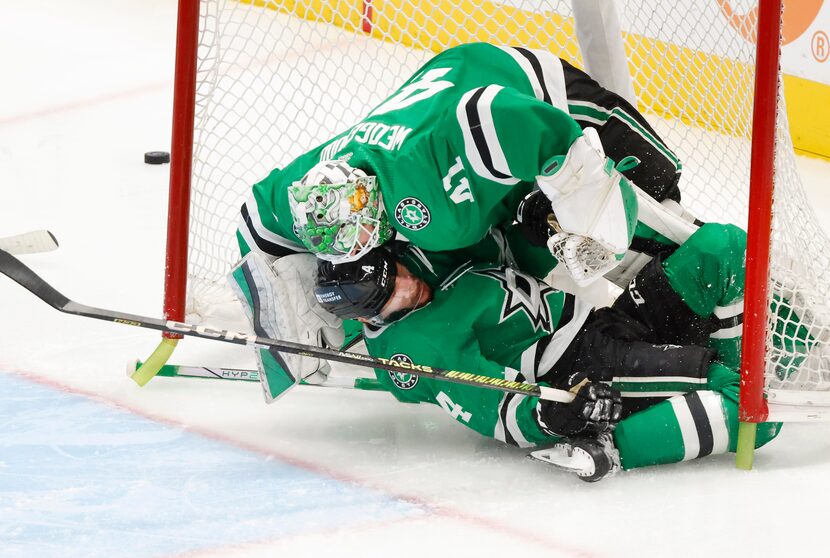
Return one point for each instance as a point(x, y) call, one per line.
point(667, 218)
point(289, 311)
point(302, 319)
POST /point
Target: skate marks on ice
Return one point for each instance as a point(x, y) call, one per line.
point(81, 478)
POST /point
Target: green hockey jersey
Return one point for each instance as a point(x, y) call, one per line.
point(502, 323)
point(454, 149)
point(491, 321)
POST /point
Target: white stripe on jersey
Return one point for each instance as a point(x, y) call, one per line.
point(242, 228)
point(729, 332)
point(655, 394)
point(592, 106)
point(490, 137)
point(691, 440)
point(422, 258)
point(506, 256)
point(660, 379)
point(513, 400)
point(724, 312)
point(528, 363)
point(713, 404)
point(590, 120)
point(513, 422)
point(552, 79)
point(498, 433)
point(563, 337)
point(261, 231)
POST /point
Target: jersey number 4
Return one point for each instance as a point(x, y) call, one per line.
point(424, 88)
point(453, 409)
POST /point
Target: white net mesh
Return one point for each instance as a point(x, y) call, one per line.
point(279, 77)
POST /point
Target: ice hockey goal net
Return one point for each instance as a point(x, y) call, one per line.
point(274, 78)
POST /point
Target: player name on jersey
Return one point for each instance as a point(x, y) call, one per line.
point(372, 133)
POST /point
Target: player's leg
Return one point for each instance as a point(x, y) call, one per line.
point(613, 347)
point(623, 131)
point(695, 295)
point(686, 427)
point(708, 271)
point(278, 301)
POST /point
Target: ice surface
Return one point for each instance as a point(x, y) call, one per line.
point(91, 464)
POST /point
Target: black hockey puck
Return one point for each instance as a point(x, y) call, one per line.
point(156, 157)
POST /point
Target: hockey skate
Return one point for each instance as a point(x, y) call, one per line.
point(592, 459)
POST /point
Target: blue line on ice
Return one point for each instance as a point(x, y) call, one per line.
point(82, 479)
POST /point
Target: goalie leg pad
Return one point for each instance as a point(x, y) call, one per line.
point(279, 303)
point(250, 282)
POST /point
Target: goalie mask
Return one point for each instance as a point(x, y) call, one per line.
point(358, 289)
point(338, 212)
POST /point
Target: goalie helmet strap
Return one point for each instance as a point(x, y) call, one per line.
point(358, 289)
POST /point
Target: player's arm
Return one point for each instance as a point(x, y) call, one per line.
point(509, 138)
point(265, 222)
point(523, 420)
point(510, 418)
point(501, 246)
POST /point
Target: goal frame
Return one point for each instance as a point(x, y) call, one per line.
point(753, 406)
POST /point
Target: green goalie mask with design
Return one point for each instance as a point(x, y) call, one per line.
point(338, 221)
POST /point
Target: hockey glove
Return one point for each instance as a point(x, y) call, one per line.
point(535, 216)
point(595, 409)
point(591, 200)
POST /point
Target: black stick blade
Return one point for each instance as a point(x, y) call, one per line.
point(20, 273)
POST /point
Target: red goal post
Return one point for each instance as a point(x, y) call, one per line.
point(253, 90)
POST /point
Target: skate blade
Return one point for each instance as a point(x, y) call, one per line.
point(566, 458)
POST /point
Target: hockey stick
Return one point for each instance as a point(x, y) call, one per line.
point(21, 274)
point(29, 243)
point(250, 375)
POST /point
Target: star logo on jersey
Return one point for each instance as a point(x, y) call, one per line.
point(403, 380)
point(412, 214)
point(523, 294)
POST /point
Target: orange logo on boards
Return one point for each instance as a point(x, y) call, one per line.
point(798, 16)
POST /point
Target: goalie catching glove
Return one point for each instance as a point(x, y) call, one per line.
point(279, 302)
point(595, 208)
point(595, 409)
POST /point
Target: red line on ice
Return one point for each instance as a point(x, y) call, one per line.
point(435, 509)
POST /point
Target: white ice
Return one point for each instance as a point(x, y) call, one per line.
point(86, 90)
